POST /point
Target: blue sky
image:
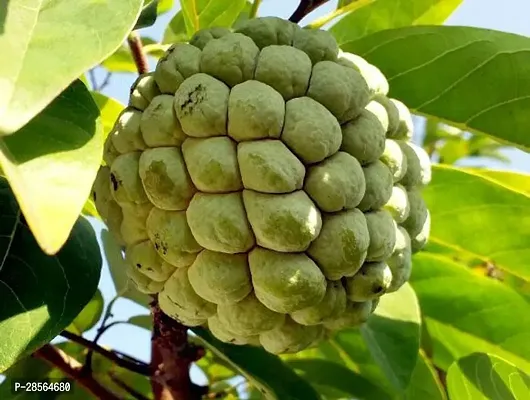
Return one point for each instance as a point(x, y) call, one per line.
point(507, 15)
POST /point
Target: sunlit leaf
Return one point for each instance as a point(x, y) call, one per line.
point(49, 44)
point(52, 162)
point(41, 295)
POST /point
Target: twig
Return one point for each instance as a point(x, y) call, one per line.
point(134, 393)
point(92, 77)
point(105, 82)
point(254, 9)
point(101, 330)
point(137, 52)
point(74, 369)
point(355, 5)
point(138, 366)
point(304, 8)
point(171, 358)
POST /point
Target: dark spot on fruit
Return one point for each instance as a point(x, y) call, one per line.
point(195, 96)
point(156, 246)
point(149, 269)
point(378, 289)
point(114, 181)
point(138, 265)
point(94, 195)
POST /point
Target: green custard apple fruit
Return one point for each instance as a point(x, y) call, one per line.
point(262, 184)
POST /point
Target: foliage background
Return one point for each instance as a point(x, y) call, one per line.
point(478, 13)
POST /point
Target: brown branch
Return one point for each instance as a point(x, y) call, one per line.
point(74, 370)
point(138, 366)
point(304, 8)
point(137, 52)
point(171, 358)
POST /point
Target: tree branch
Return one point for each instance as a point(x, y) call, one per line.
point(304, 8)
point(74, 370)
point(134, 366)
point(137, 52)
point(171, 358)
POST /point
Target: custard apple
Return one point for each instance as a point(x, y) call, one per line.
point(264, 186)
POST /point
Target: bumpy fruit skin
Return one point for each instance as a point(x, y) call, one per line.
point(263, 184)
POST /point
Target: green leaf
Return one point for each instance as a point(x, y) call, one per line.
point(348, 349)
point(164, 6)
point(465, 206)
point(475, 79)
point(118, 270)
point(148, 15)
point(142, 321)
point(482, 376)
point(51, 43)
point(516, 181)
point(41, 295)
point(200, 14)
point(29, 369)
point(466, 313)
point(267, 372)
point(109, 109)
point(215, 369)
point(89, 316)
point(52, 162)
point(392, 335)
point(387, 14)
point(425, 383)
point(336, 381)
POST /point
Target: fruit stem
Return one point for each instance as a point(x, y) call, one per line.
point(254, 10)
point(353, 6)
point(304, 8)
point(137, 52)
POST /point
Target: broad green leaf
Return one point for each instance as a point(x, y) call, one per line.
point(335, 381)
point(392, 335)
point(466, 313)
point(52, 162)
point(142, 321)
point(425, 383)
point(89, 316)
point(148, 15)
point(118, 270)
point(122, 61)
point(109, 109)
point(476, 215)
point(29, 369)
point(516, 181)
point(200, 14)
point(482, 376)
point(475, 79)
point(51, 43)
point(41, 295)
point(265, 371)
point(387, 14)
point(349, 350)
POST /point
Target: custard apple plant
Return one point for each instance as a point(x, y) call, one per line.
point(276, 197)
